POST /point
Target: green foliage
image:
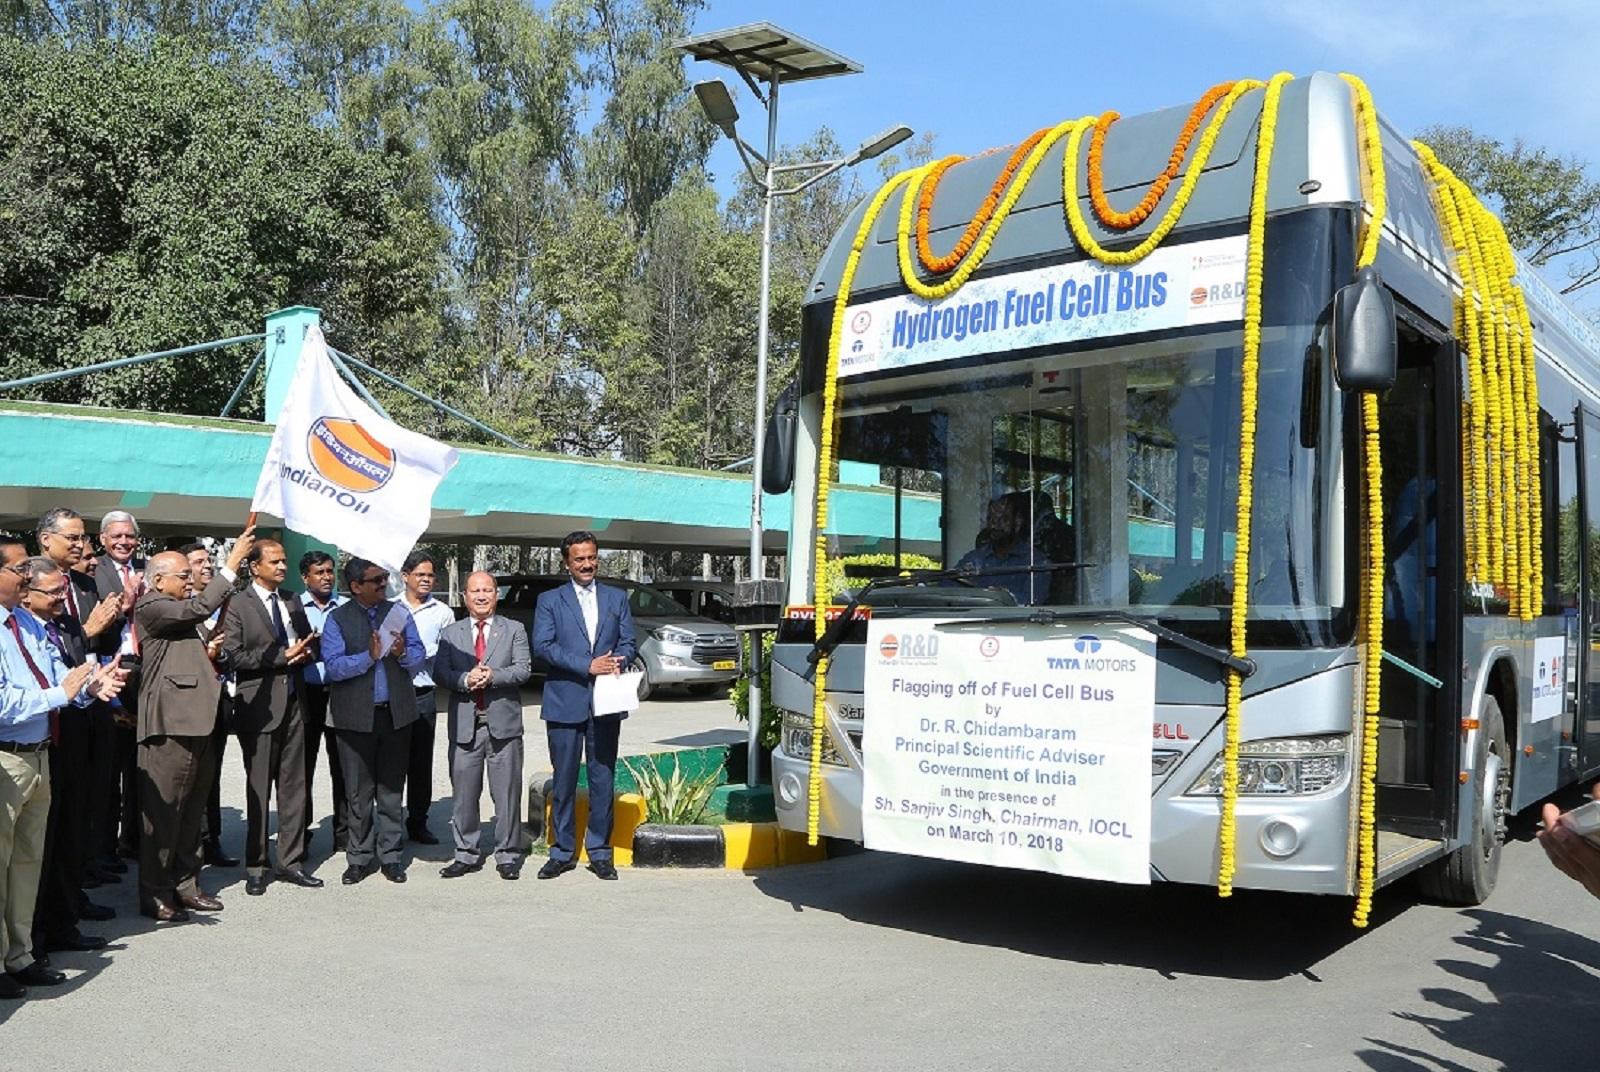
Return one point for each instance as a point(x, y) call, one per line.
point(1550, 206)
point(675, 799)
point(841, 577)
point(739, 694)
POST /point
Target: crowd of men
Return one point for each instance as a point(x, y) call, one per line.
point(122, 679)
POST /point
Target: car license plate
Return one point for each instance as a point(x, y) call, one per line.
point(725, 664)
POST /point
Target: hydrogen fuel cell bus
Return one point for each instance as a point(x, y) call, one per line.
point(1059, 410)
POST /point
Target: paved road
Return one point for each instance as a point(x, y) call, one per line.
point(866, 961)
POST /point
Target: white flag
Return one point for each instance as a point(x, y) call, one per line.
point(339, 472)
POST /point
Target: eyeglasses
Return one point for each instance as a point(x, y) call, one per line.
point(382, 578)
point(18, 568)
point(78, 538)
point(180, 574)
point(53, 593)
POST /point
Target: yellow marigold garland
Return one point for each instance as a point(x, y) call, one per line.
point(1372, 493)
point(825, 459)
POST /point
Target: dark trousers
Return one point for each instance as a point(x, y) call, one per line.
point(569, 743)
point(174, 778)
point(278, 756)
point(100, 799)
point(55, 914)
point(320, 735)
point(374, 767)
point(211, 829)
point(124, 822)
point(419, 767)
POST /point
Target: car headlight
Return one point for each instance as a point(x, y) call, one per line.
point(1281, 766)
point(671, 634)
point(797, 739)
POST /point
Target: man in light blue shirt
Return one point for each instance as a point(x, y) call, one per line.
point(431, 615)
point(34, 685)
point(320, 600)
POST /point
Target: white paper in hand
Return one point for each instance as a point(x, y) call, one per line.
point(393, 624)
point(616, 693)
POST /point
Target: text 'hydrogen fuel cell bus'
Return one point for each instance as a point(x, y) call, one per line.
point(1058, 411)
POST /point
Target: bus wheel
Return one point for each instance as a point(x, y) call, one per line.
point(1467, 876)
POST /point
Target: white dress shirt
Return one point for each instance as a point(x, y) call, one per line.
point(589, 604)
point(432, 615)
point(267, 596)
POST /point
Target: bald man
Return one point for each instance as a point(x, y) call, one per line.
point(482, 663)
point(178, 696)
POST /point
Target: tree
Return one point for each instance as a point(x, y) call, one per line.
point(185, 196)
point(1549, 205)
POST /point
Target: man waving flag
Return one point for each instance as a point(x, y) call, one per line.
point(341, 473)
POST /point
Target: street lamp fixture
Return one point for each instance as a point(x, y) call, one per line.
point(760, 52)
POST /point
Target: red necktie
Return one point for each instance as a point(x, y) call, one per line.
point(478, 648)
point(72, 599)
point(38, 675)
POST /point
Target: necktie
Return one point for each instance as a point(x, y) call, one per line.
point(277, 620)
point(53, 631)
point(38, 675)
point(479, 647)
point(72, 599)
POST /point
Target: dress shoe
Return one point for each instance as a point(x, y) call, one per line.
point(255, 885)
point(421, 835)
point(73, 942)
point(509, 872)
point(37, 974)
point(162, 912)
point(10, 989)
point(200, 901)
point(604, 869)
point(215, 857)
point(554, 868)
point(354, 873)
point(298, 877)
point(112, 864)
point(39, 955)
point(97, 913)
point(394, 872)
point(455, 869)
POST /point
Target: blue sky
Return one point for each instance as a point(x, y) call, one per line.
point(990, 74)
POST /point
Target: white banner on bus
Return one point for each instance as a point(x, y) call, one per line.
point(1014, 746)
point(1177, 286)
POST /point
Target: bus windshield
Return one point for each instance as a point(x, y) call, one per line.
point(1109, 478)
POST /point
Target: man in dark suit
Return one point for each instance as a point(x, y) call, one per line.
point(582, 630)
point(371, 650)
point(177, 721)
point(61, 903)
point(267, 642)
point(201, 570)
point(120, 573)
point(481, 665)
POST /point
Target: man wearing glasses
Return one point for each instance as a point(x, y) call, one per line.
point(120, 574)
point(35, 687)
point(371, 651)
point(178, 697)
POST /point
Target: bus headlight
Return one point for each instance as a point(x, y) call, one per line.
point(1281, 766)
point(797, 739)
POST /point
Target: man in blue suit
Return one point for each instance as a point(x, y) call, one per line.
point(582, 630)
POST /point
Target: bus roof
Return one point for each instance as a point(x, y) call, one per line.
point(1316, 161)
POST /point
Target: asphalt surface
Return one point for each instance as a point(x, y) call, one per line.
point(865, 961)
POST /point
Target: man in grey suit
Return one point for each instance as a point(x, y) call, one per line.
point(483, 661)
point(178, 693)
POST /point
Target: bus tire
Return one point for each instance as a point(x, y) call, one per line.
point(1467, 876)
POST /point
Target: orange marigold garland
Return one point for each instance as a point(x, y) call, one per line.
point(1122, 221)
point(963, 246)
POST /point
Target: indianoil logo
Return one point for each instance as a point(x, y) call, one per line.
point(889, 646)
point(346, 455)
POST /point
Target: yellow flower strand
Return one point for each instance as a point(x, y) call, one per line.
point(980, 248)
point(1372, 494)
point(825, 459)
point(1202, 153)
point(1227, 834)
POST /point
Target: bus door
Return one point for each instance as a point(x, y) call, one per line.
point(1586, 719)
point(1418, 738)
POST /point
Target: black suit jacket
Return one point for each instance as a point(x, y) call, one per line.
point(267, 684)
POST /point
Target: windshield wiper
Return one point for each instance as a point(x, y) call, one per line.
point(1045, 616)
point(836, 630)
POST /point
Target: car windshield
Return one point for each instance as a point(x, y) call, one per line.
point(649, 603)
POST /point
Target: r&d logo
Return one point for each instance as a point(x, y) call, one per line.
point(909, 648)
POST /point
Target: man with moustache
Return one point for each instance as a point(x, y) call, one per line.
point(372, 705)
point(432, 616)
point(482, 664)
point(61, 901)
point(582, 630)
point(35, 687)
point(317, 601)
point(120, 573)
point(267, 641)
point(177, 725)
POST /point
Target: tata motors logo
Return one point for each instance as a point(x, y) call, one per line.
point(1087, 644)
point(343, 452)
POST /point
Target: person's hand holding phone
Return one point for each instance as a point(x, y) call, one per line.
point(1565, 840)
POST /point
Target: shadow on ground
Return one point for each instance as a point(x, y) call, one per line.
point(1173, 930)
point(1542, 1006)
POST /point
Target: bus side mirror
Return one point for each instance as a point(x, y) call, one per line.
point(1365, 350)
point(777, 454)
